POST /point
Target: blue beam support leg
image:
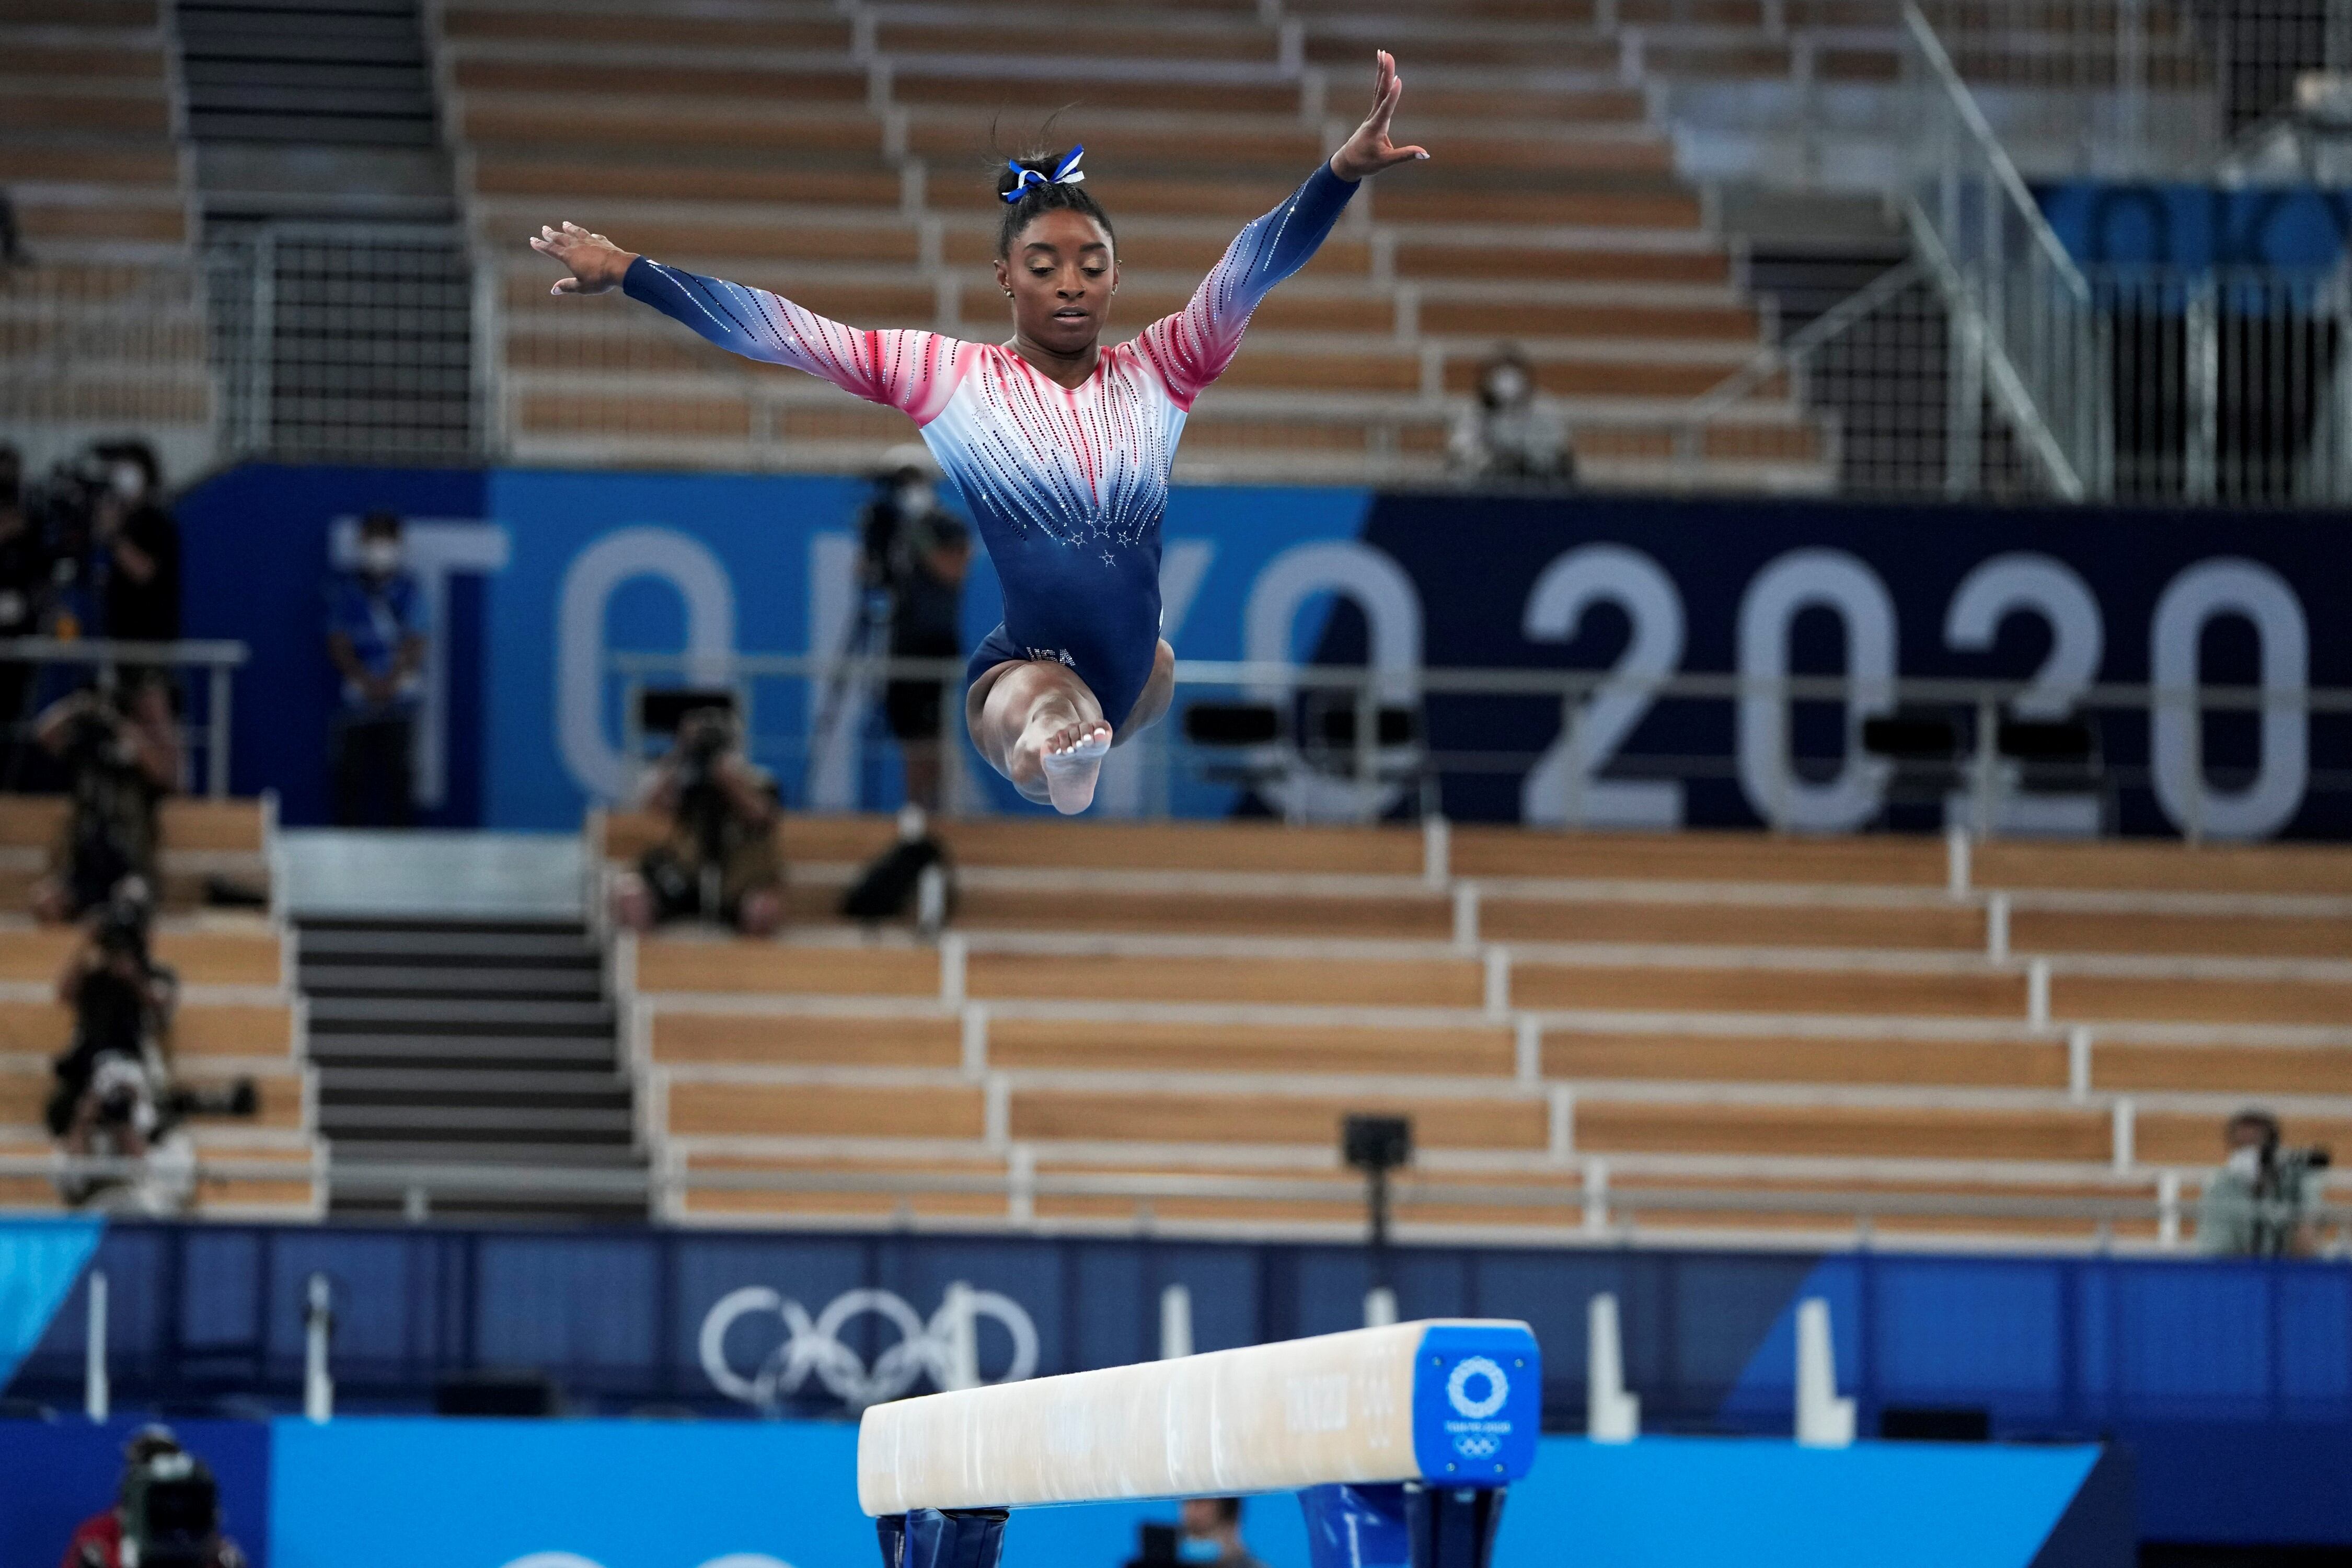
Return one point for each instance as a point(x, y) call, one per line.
point(929, 1538)
point(1405, 1524)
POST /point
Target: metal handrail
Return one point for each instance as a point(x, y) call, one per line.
point(1508, 682)
point(1596, 1203)
point(219, 657)
point(1964, 102)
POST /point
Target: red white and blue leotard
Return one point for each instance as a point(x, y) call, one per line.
point(1067, 485)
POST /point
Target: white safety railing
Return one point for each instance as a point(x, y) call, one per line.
point(208, 665)
point(2027, 338)
point(90, 352)
point(2232, 385)
point(1376, 759)
point(2142, 1213)
point(346, 340)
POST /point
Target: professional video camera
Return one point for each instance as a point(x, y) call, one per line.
point(2284, 1181)
point(60, 505)
point(170, 1513)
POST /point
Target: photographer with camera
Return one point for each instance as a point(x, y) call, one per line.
point(115, 1096)
point(24, 575)
point(914, 555)
point(120, 751)
point(720, 858)
point(108, 1096)
point(137, 558)
point(166, 1513)
point(2260, 1203)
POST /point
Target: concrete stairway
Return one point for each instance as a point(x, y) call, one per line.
point(467, 1043)
point(300, 108)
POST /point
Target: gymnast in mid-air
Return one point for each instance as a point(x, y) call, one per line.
point(1060, 446)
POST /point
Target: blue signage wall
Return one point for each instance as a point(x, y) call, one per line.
point(2232, 1382)
point(394, 1492)
point(545, 574)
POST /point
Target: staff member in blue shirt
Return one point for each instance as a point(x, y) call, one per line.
point(375, 634)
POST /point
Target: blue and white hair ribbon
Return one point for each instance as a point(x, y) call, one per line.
point(1066, 172)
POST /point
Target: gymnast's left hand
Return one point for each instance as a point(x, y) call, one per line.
point(595, 262)
point(1369, 151)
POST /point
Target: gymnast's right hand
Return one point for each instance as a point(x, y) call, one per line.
point(596, 263)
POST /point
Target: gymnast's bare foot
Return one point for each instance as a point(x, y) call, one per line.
point(1070, 753)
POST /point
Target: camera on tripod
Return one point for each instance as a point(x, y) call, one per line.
point(170, 1513)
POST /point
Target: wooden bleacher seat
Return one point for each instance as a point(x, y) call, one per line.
point(203, 839)
point(246, 952)
point(1193, 111)
point(1708, 1013)
point(205, 1034)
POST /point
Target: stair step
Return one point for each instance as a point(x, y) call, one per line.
point(361, 945)
point(409, 979)
point(463, 1082)
point(467, 1015)
point(337, 1097)
point(491, 1120)
point(381, 1149)
point(486, 1208)
point(441, 1052)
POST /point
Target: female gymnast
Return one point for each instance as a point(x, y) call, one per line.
point(1060, 446)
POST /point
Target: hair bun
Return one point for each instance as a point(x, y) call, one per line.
point(1014, 173)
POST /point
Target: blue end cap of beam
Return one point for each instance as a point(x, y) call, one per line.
point(1477, 1403)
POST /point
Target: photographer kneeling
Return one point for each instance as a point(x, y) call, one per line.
point(122, 755)
point(720, 856)
point(115, 1097)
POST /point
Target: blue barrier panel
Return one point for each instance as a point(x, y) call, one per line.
point(40, 1259)
point(56, 1474)
point(1684, 1502)
point(391, 1494)
point(2179, 1359)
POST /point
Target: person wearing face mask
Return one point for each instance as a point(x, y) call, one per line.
point(1511, 431)
point(917, 553)
point(1209, 1529)
point(137, 553)
point(375, 634)
point(2259, 1204)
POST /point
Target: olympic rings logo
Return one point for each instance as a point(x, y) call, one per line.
point(812, 1347)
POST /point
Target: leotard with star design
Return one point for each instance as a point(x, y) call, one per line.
point(1067, 485)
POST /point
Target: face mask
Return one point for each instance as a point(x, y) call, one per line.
point(128, 481)
point(1507, 384)
point(1198, 1549)
point(380, 557)
point(2246, 1163)
point(914, 501)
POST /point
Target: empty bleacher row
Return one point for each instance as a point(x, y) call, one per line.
point(1163, 1027)
point(238, 1015)
point(102, 321)
point(843, 157)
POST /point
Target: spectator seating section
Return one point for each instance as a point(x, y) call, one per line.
point(102, 333)
point(843, 156)
point(1591, 1021)
point(203, 841)
point(239, 1016)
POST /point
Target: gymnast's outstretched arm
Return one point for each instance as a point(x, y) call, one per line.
point(1192, 348)
point(911, 371)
